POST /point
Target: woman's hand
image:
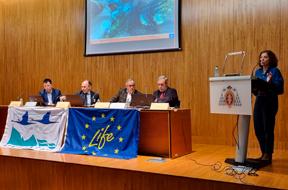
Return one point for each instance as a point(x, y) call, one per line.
point(269, 77)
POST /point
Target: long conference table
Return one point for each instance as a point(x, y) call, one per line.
point(163, 133)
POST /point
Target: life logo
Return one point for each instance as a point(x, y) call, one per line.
point(229, 97)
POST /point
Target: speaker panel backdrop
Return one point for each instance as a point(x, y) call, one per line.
point(46, 39)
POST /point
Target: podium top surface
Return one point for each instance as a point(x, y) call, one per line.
point(231, 78)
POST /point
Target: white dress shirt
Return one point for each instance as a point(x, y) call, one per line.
point(128, 98)
point(49, 96)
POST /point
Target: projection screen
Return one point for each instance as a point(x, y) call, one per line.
point(124, 26)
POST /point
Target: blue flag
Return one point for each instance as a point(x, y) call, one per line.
point(103, 132)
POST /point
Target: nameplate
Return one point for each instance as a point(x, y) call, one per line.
point(159, 106)
point(102, 105)
point(119, 105)
point(16, 103)
point(30, 104)
point(63, 105)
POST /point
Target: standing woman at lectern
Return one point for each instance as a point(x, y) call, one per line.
point(266, 104)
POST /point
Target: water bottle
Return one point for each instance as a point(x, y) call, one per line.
point(216, 71)
point(21, 100)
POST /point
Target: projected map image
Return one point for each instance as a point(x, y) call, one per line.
point(122, 20)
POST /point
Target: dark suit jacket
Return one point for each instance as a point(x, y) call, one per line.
point(55, 95)
point(170, 96)
point(94, 97)
point(122, 95)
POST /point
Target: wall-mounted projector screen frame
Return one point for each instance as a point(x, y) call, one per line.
point(131, 26)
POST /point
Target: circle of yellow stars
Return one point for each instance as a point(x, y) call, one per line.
point(112, 119)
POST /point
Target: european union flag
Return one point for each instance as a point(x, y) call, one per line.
point(103, 132)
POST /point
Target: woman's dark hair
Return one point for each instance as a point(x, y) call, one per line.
point(273, 60)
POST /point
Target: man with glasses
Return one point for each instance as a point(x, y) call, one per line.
point(124, 95)
point(165, 94)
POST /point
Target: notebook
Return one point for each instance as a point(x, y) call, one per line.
point(75, 100)
point(38, 99)
point(142, 100)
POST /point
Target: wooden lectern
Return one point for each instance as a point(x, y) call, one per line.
point(232, 95)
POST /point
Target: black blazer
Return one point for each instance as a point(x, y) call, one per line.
point(122, 95)
point(170, 96)
point(94, 97)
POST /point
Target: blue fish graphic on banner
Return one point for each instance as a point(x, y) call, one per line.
point(103, 132)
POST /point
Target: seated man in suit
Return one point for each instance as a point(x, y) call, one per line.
point(88, 96)
point(49, 94)
point(125, 94)
point(165, 94)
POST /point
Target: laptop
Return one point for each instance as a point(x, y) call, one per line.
point(38, 99)
point(142, 100)
point(75, 100)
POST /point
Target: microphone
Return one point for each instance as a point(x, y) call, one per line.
point(58, 97)
point(19, 97)
point(146, 91)
point(94, 100)
point(252, 71)
point(98, 91)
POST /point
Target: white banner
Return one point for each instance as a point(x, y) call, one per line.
point(37, 128)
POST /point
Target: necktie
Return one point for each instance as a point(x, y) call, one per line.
point(85, 95)
point(162, 95)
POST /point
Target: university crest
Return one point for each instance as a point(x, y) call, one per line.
point(229, 97)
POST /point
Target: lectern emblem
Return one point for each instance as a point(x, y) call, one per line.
point(229, 97)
